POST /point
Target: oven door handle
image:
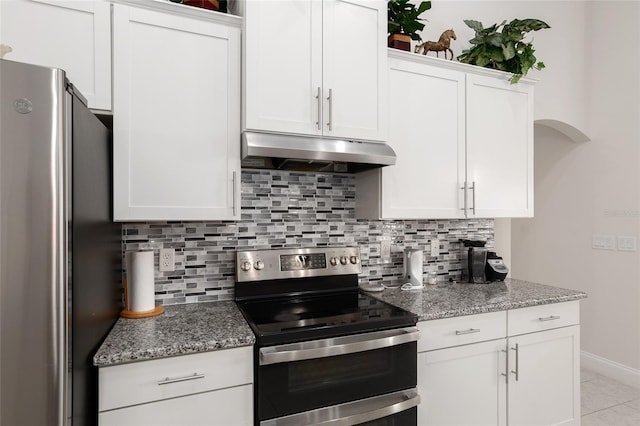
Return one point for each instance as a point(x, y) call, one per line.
point(337, 346)
point(353, 413)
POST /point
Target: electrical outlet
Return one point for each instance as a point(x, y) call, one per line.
point(385, 251)
point(167, 259)
point(435, 247)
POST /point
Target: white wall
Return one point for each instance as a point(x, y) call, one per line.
point(593, 188)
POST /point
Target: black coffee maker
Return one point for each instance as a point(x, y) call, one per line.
point(479, 265)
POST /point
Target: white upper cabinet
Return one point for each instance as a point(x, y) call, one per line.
point(72, 35)
point(316, 68)
point(463, 137)
point(176, 114)
point(499, 147)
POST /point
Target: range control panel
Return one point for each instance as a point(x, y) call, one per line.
point(258, 265)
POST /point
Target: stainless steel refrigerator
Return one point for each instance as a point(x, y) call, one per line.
point(60, 253)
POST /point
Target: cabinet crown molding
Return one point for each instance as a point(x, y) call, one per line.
point(184, 10)
point(455, 65)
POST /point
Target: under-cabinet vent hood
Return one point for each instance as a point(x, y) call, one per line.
point(287, 152)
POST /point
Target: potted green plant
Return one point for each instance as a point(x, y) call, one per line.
point(404, 22)
point(504, 49)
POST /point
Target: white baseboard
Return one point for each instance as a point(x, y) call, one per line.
point(614, 370)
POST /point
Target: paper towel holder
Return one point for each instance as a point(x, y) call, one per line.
point(135, 314)
point(139, 285)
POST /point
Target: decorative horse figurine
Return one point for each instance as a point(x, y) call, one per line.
point(438, 46)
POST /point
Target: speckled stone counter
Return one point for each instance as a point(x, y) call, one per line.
point(447, 300)
point(180, 330)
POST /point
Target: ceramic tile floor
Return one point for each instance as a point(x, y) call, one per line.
point(606, 402)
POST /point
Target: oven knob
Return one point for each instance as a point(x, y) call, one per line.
point(354, 259)
point(259, 265)
point(333, 261)
point(343, 260)
point(245, 266)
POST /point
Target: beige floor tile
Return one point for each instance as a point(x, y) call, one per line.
point(620, 415)
point(634, 404)
point(602, 392)
point(586, 375)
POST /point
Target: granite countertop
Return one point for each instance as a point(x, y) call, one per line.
point(202, 327)
point(447, 300)
point(180, 330)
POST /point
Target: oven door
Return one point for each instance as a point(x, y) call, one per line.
point(342, 375)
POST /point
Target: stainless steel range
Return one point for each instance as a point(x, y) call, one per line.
point(325, 353)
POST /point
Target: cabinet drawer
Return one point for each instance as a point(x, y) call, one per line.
point(444, 333)
point(145, 381)
point(543, 317)
point(226, 407)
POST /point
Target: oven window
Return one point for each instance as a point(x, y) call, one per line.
point(296, 387)
point(338, 371)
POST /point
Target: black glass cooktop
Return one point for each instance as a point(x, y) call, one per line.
point(295, 319)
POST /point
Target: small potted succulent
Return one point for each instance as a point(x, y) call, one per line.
point(404, 22)
point(504, 49)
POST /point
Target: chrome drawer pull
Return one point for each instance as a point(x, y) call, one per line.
point(469, 331)
point(549, 318)
point(337, 346)
point(167, 380)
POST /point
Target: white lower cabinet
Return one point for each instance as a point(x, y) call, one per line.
point(530, 378)
point(463, 385)
point(210, 388)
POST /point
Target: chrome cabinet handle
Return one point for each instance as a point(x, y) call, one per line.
point(337, 346)
point(319, 102)
point(469, 331)
point(352, 413)
point(330, 99)
point(473, 197)
point(549, 318)
point(167, 380)
point(464, 198)
point(506, 365)
point(517, 370)
point(235, 185)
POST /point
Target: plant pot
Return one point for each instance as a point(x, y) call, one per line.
point(400, 41)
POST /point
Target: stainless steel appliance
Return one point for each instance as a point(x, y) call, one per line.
point(324, 351)
point(480, 265)
point(59, 251)
point(295, 152)
point(413, 268)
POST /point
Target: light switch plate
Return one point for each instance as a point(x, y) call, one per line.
point(627, 243)
point(603, 242)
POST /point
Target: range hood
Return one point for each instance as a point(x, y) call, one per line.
point(288, 152)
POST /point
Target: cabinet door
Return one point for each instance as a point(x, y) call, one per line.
point(226, 407)
point(547, 388)
point(72, 35)
point(355, 69)
point(426, 130)
point(463, 385)
point(499, 147)
point(177, 117)
point(283, 66)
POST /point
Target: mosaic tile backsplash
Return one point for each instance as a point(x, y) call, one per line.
point(293, 209)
